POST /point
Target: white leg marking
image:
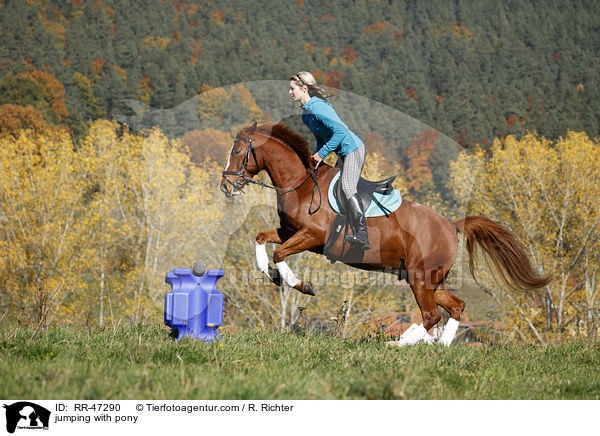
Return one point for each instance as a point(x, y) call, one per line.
point(449, 332)
point(413, 335)
point(262, 260)
point(287, 274)
point(417, 335)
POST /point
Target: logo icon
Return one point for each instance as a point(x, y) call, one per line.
point(26, 415)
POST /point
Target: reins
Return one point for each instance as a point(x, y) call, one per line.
point(248, 180)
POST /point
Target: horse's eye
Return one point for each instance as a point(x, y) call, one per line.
point(235, 152)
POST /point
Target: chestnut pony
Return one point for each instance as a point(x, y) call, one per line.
point(414, 242)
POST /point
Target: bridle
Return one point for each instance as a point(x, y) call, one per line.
point(241, 174)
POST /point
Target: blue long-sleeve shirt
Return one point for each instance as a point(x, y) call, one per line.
point(329, 130)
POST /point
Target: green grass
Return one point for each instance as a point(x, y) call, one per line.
point(144, 363)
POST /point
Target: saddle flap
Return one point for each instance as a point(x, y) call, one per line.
point(366, 189)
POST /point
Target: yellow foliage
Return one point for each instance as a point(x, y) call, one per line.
point(156, 41)
point(547, 194)
point(89, 234)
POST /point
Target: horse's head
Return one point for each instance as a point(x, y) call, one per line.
point(242, 164)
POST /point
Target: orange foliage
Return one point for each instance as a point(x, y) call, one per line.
point(379, 28)
point(208, 144)
point(196, 51)
point(14, 117)
point(300, 3)
point(98, 66)
point(418, 173)
point(349, 55)
point(121, 71)
point(439, 98)
point(58, 29)
point(146, 87)
point(462, 32)
point(54, 91)
point(398, 35)
point(412, 93)
point(219, 17)
point(109, 11)
point(327, 17)
point(309, 47)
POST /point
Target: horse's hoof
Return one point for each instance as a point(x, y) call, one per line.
point(306, 288)
point(275, 276)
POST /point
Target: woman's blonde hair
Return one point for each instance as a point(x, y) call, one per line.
point(314, 90)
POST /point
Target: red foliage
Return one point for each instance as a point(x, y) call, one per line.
point(511, 120)
point(331, 78)
point(349, 55)
point(398, 35)
point(412, 93)
point(418, 173)
point(179, 6)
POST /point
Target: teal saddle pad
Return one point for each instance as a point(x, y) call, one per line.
point(390, 202)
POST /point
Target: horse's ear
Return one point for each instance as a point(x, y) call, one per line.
point(252, 129)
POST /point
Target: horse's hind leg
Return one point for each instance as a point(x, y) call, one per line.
point(455, 307)
point(426, 300)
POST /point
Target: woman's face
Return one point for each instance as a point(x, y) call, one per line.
point(297, 92)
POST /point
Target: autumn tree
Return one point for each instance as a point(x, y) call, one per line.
point(547, 194)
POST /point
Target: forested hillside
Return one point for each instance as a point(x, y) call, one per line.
point(474, 70)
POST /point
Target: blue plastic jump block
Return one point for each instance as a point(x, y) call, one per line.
point(194, 306)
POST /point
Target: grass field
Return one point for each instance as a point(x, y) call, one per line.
point(145, 363)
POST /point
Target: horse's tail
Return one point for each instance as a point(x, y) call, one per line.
point(507, 254)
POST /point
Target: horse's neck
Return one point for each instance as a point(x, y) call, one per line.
point(283, 165)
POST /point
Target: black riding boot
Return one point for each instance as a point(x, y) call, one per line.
point(358, 222)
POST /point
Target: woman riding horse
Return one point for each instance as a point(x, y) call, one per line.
point(333, 135)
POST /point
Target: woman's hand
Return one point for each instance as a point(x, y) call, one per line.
point(317, 159)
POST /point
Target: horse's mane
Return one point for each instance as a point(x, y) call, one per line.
point(288, 136)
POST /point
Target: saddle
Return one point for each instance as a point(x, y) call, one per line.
point(366, 190)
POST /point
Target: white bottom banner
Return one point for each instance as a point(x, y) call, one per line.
point(296, 417)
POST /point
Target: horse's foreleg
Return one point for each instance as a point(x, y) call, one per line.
point(455, 307)
point(262, 259)
point(301, 240)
